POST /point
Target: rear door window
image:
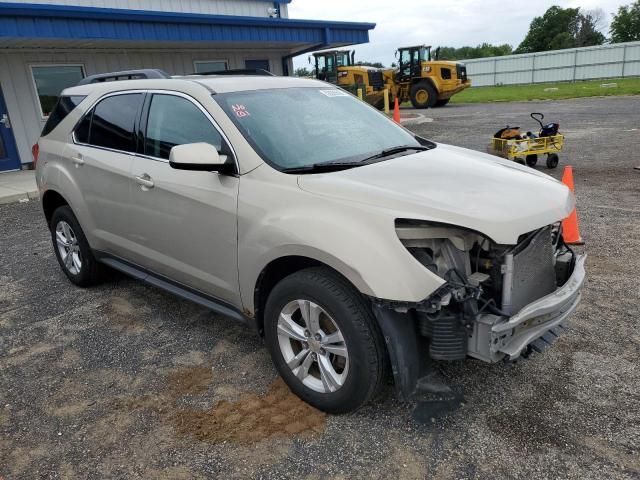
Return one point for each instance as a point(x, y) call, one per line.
point(175, 121)
point(64, 107)
point(112, 123)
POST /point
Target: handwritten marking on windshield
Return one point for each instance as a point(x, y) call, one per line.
point(240, 110)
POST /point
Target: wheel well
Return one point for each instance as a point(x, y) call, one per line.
point(273, 273)
point(50, 201)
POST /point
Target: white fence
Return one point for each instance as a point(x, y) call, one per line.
point(606, 61)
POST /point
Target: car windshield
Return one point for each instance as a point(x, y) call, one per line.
point(293, 128)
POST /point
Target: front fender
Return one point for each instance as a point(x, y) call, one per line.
point(358, 241)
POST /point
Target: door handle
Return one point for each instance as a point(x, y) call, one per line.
point(144, 180)
point(78, 161)
point(5, 120)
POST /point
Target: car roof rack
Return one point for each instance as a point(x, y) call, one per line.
point(239, 71)
point(125, 75)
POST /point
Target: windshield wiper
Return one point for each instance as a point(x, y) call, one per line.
point(321, 167)
point(336, 166)
point(393, 150)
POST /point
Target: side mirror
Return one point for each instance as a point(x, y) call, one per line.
point(202, 157)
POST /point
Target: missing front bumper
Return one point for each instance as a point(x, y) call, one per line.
point(495, 338)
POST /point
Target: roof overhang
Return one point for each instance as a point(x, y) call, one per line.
point(49, 26)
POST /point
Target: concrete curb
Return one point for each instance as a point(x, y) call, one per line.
point(18, 186)
point(18, 197)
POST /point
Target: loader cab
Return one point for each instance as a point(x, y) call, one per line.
point(327, 64)
point(410, 61)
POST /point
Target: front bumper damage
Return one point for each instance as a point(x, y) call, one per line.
point(491, 337)
point(497, 338)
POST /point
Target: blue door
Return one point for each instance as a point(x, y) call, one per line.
point(256, 64)
point(8, 153)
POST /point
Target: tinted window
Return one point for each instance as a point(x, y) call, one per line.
point(82, 130)
point(63, 108)
point(175, 121)
point(113, 122)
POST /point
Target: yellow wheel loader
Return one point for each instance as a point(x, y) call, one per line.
point(426, 83)
point(337, 67)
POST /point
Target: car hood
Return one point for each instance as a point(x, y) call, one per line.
point(456, 186)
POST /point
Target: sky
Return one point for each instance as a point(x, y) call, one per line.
point(454, 23)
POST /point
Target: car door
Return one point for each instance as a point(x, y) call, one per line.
point(184, 222)
point(102, 155)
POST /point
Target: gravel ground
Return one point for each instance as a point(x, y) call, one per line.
point(125, 381)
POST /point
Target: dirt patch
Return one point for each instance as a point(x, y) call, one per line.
point(252, 418)
point(21, 355)
point(193, 357)
point(248, 420)
point(124, 316)
point(190, 381)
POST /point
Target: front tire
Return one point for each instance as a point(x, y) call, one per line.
point(442, 103)
point(324, 340)
point(423, 95)
point(72, 249)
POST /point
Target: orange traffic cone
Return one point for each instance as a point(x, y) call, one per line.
point(570, 230)
point(396, 111)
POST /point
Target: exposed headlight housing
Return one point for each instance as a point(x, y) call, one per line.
point(439, 247)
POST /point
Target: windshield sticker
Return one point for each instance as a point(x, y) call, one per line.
point(240, 110)
point(334, 92)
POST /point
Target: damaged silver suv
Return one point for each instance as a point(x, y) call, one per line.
point(351, 244)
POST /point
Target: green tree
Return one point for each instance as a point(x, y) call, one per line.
point(562, 28)
point(586, 28)
point(625, 26)
point(370, 64)
point(302, 72)
point(481, 51)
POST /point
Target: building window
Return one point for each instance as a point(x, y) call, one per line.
point(50, 80)
point(257, 65)
point(210, 66)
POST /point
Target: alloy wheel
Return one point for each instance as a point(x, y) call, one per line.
point(312, 346)
point(68, 247)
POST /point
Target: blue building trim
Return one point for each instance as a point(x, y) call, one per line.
point(38, 21)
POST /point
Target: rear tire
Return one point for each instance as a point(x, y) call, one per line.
point(337, 382)
point(519, 160)
point(423, 95)
point(72, 249)
point(552, 160)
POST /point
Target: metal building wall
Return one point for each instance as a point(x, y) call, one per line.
point(22, 101)
point(606, 61)
point(250, 8)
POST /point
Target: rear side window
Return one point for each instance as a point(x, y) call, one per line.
point(64, 107)
point(111, 123)
point(82, 130)
point(176, 121)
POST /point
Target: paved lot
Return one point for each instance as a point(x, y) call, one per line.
point(118, 381)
